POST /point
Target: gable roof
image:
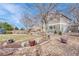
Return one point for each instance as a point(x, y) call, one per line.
point(58, 15)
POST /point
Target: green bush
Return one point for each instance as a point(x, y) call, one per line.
point(6, 26)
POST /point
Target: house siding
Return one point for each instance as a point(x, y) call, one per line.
point(58, 23)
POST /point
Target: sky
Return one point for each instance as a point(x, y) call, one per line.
point(12, 13)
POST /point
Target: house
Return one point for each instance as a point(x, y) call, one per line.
point(74, 27)
point(2, 31)
point(57, 22)
point(36, 28)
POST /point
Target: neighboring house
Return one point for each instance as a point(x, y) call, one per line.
point(36, 28)
point(2, 31)
point(33, 29)
point(74, 27)
point(57, 22)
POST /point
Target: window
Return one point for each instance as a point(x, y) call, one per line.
point(50, 27)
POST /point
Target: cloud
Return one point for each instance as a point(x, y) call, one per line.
point(11, 13)
point(12, 8)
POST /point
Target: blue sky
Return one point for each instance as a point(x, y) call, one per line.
point(12, 13)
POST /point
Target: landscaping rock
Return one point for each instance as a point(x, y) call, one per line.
point(64, 39)
point(10, 41)
point(32, 43)
point(24, 44)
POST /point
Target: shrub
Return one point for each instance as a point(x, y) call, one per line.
point(60, 33)
point(55, 32)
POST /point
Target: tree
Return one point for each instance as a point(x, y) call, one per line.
point(74, 9)
point(6, 26)
point(22, 29)
point(44, 10)
point(16, 28)
point(42, 13)
point(74, 12)
point(27, 21)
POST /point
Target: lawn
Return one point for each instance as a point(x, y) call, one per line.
point(18, 37)
point(15, 36)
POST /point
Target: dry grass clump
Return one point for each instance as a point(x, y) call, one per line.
point(7, 51)
point(28, 51)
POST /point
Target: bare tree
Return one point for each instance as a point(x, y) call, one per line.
point(43, 11)
point(74, 9)
point(27, 21)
